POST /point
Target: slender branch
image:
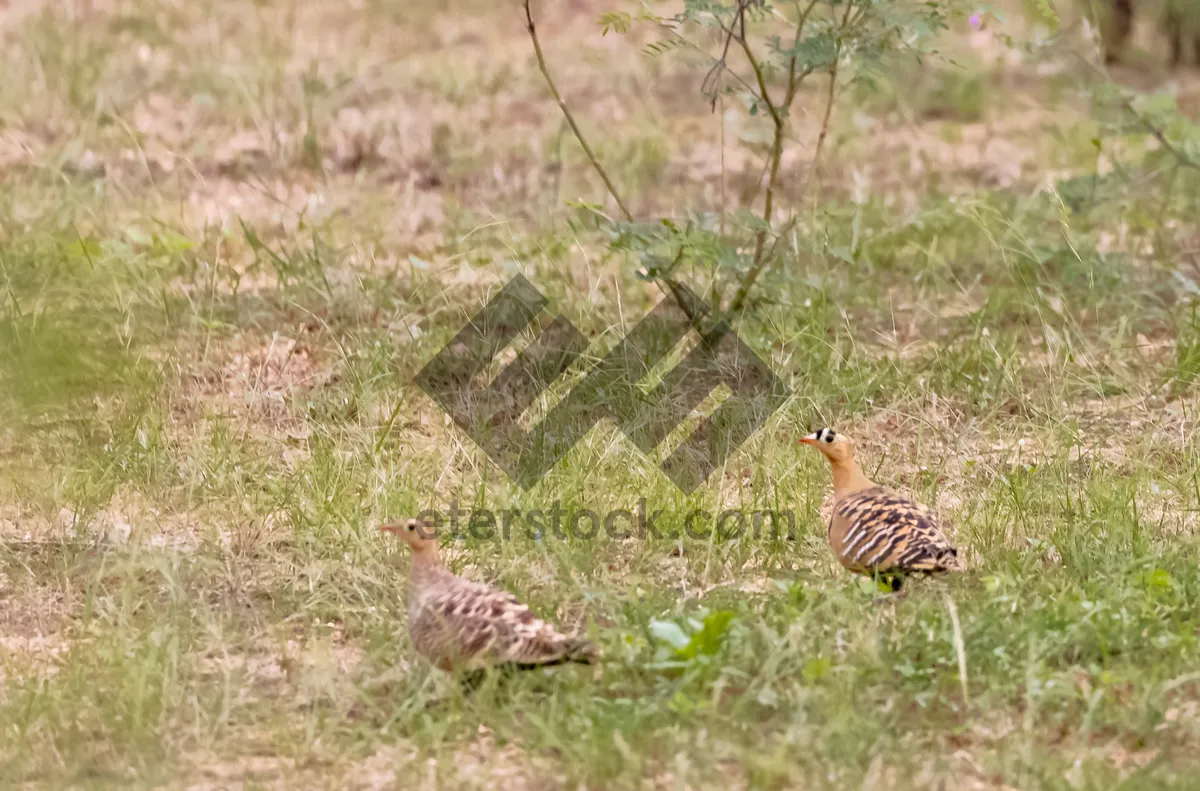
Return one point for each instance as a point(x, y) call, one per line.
point(813, 169)
point(562, 105)
point(794, 80)
point(1155, 131)
point(713, 78)
point(1182, 156)
point(681, 296)
point(761, 257)
point(754, 64)
point(672, 284)
point(760, 263)
point(719, 65)
point(723, 179)
point(739, 298)
point(824, 133)
point(681, 299)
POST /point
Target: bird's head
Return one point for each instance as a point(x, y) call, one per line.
point(419, 535)
point(838, 448)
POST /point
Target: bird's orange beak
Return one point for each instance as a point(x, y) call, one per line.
point(808, 441)
point(394, 527)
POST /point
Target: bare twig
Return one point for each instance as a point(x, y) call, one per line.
point(562, 105)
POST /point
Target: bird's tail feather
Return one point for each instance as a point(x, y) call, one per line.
point(579, 650)
point(945, 559)
point(582, 651)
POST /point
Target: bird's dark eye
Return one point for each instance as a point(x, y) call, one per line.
point(412, 526)
point(829, 436)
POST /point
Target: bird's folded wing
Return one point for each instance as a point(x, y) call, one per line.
point(492, 625)
point(889, 532)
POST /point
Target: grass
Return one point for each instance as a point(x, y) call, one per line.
point(230, 235)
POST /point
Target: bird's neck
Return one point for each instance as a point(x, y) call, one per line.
point(426, 563)
point(848, 478)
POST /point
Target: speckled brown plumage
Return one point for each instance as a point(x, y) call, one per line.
point(878, 531)
point(461, 625)
point(874, 530)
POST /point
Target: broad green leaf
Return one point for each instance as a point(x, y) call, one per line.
point(669, 633)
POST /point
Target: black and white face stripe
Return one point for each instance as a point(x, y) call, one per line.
point(824, 435)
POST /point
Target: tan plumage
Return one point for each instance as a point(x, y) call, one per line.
point(461, 625)
point(873, 530)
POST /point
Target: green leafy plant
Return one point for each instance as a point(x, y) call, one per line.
point(761, 57)
point(695, 639)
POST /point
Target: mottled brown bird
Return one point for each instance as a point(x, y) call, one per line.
point(875, 531)
point(459, 625)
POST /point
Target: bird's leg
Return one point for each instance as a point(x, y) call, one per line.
point(471, 681)
point(888, 582)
